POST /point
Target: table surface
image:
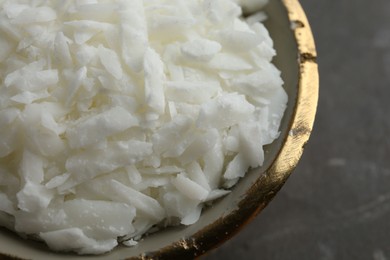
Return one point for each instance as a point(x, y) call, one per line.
point(336, 205)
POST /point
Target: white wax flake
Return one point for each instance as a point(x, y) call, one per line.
point(162, 170)
point(31, 15)
point(32, 167)
point(214, 162)
point(97, 11)
point(30, 79)
point(51, 124)
point(220, 11)
point(192, 217)
point(133, 34)
point(103, 217)
point(27, 97)
point(42, 141)
point(197, 175)
point(216, 194)
point(262, 31)
point(110, 61)
point(85, 29)
point(117, 116)
point(86, 165)
point(57, 181)
point(251, 144)
point(203, 143)
point(75, 239)
point(190, 188)
point(163, 25)
point(47, 219)
point(239, 41)
point(86, 55)
point(154, 78)
point(95, 128)
point(200, 49)
point(232, 144)
point(152, 182)
point(237, 167)
point(34, 197)
point(177, 205)
point(134, 175)
point(230, 62)
point(260, 82)
point(191, 92)
point(171, 133)
point(225, 111)
point(130, 243)
point(119, 192)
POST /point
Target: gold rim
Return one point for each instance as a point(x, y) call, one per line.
point(266, 187)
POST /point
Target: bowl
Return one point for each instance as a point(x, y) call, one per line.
point(296, 59)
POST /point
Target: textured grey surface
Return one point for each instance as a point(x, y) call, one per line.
point(336, 205)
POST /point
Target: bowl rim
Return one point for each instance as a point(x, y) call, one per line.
point(277, 173)
point(274, 177)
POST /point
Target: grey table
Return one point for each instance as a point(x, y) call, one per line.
point(336, 205)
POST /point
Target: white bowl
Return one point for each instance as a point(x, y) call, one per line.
point(297, 60)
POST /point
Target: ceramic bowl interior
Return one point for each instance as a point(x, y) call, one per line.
point(296, 59)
